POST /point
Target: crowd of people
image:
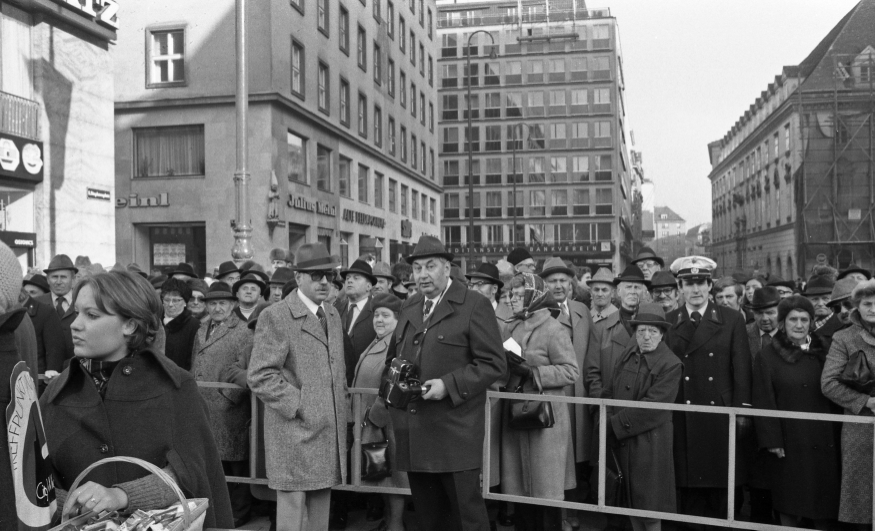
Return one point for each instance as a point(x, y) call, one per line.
point(121, 352)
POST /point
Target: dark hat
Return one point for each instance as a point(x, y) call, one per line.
point(337, 282)
point(556, 265)
point(632, 273)
point(282, 275)
point(386, 300)
point(456, 274)
point(314, 257)
point(134, 267)
point(250, 267)
point(854, 268)
point(646, 253)
point(650, 313)
point(775, 280)
point(428, 246)
point(693, 268)
point(197, 284)
point(179, 286)
point(382, 270)
point(249, 278)
point(82, 261)
point(157, 281)
point(842, 291)
point(767, 297)
point(38, 281)
point(218, 291)
point(183, 269)
point(487, 272)
point(518, 255)
point(226, 268)
point(603, 275)
point(289, 287)
point(818, 285)
point(360, 267)
point(60, 262)
point(740, 276)
point(278, 254)
point(794, 302)
point(663, 279)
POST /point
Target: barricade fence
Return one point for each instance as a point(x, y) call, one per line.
point(355, 481)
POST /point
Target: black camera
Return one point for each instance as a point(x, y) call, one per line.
point(402, 384)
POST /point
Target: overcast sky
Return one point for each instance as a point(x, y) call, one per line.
point(692, 67)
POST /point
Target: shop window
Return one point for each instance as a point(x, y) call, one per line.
point(297, 154)
point(166, 58)
point(169, 151)
point(169, 246)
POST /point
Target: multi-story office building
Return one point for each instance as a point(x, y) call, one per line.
point(549, 86)
point(341, 128)
point(56, 159)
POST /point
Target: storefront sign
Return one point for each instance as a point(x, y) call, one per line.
point(363, 219)
point(318, 207)
point(135, 201)
point(21, 158)
point(18, 239)
point(94, 193)
point(104, 12)
point(539, 248)
point(406, 228)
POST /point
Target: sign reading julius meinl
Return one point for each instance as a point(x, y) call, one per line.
point(21, 158)
point(594, 248)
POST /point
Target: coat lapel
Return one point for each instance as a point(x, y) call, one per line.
point(708, 328)
point(311, 322)
point(220, 330)
point(365, 317)
point(455, 294)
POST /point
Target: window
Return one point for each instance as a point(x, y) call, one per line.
point(557, 103)
point(422, 108)
point(414, 204)
point(363, 184)
point(537, 203)
point(451, 210)
point(450, 174)
point(493, 171)
point(378, 63)
point(403, 144)
point(535, 140)
point(393, 192)
point(403, 85)
point(430, 30)
point(601, 68)
point(322, 16)
point(167, 58)
point(169, 151)
point(472, 138)
point(323, 89)
point(421, 60)
point(450, 107)
point(449, 75)
point(472, 106)
point(578, 68)
point(557, 69)
point(493, 138)
point(390, 19)
point(344, 102)
point(535, 71)
point(515, 203)
point(403, 200)
point(363, 115)
point(378, 126)
point(297, 157)
point(601, 36)
point(391, 77)
point(472, 171)
point(775, 141)
point(323, 168)
point(413, 152)
point(604, 201)
point(412, 48)
point(601, 99)
point(402, 34)
point(474, 210)
point(474, 78)
point(579, 135)
point(603, 168)
point(513, 73)
point(297, 68)
point(431, 117)
point(557, 135)
point(787, 138)
point(536, 103)
point(536, 170)
point(558, 169)
point(493, 204)
point(413, 99)
point(343, 30)
point(449, 45)
point(581, 202)
point(422, 161)
point(378, 190)
point(430, 71)
point(391, 136)
point(579, 101)
point(431, 164)
point(343, 183)
point(602, 134)
point(513, 104)
point(362, 52)
point(421, 13)
point(490, 74)
point(377, 10)
point(559, 204)
point(580, 169)
point(450, 142)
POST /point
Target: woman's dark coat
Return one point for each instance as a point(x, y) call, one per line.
point(643, 442)
point(152, 410)
point(806, 481)
point(181, 333)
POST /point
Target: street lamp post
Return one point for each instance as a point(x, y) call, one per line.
point(242, 230)
point(492, 55)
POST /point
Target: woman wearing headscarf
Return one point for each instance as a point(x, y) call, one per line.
point(647, 371)
point(805, 458)
point(540, 462)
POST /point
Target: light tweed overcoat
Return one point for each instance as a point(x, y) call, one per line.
point(300, 376)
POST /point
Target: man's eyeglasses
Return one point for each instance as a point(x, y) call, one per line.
point(317, 276)
point(664, 292)
point(173, 300)
point(476, 284)
point(196, 299)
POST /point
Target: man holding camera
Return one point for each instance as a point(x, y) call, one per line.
point(450, 335)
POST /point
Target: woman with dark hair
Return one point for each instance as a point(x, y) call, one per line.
point(539, 462)
point(121, 397)
point(180, 326)
point(855, 504)
point(805, 458)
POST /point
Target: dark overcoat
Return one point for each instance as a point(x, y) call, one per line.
point(607, 342)
point(757, 462)
point(830, 327)
point(153, 411)
point(806, 481)
point(361, 337)
point(643, 442)
point(49, 335)
point(717, 372)
point(66, 321)
point(9, 358)
point(180, 334)
point(462, 347)
point(577, 323)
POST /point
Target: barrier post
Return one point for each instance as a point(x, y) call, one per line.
point(603, 443)
point(487, 449)
point(253, 435)
point(356, 472)
point(730, 494)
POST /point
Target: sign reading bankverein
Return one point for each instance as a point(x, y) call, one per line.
point(21, 159)
point(595, 249)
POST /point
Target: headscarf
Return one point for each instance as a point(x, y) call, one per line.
point(535, 297)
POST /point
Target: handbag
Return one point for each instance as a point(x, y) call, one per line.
point(615, 484)
point(531, 414)
point(375, 457)
point(857, 374)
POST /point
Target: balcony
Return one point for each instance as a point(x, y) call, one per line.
point(19, 116)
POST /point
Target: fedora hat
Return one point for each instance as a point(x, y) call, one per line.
point(382, 270)
point(650, 313)
point(818, 285)
point(134, 267)
point(219, 291)
point(158, 281)
point(556, 265)
point(199, 285)
point(775, 280)
point(314, 257)
point(428, 246)
point(183, 269)
point(282, 275)
point(487, 272)
point(767, 297)
point(842, 290)
point(663, 279)
point(61, 262)
point(854, 268)
point(38, 281)
point(278, 254)
point(226, 268)
point(518, 255)
point(360, 267)
point(251, 267)
point(632, 273)
point(646, 253)
point(249, 278)
point(603, 275)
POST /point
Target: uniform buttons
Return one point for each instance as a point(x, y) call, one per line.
point(712, 402)
point(464, 394)
point(710, 354)
point(440, 337)
point(416, 342)
point(413, 412)
point(127, 370)
point(710, 378)
point(804, 385)
point(628, 425)
point(104, 449)
point(623, 444)
point(686, 355)
point(628, 387)
point(688, 401)
point(687, 378)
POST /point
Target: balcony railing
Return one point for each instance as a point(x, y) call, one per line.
point(19, 116)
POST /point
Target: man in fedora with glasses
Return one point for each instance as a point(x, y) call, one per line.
point(297, 369)
point(452, 336)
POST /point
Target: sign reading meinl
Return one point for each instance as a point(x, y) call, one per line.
point(21, 159)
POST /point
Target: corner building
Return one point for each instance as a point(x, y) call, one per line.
point(554, 93)
point(341, 129)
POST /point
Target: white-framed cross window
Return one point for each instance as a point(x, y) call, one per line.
point(166, 57)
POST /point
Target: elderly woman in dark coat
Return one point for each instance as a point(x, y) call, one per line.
point(805, 467)
point(180, 326)
point(121, 397)
point(540, 462)
point(855, 503)
point(647, 371)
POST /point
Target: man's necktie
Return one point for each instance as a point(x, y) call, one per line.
point(565, 310)
point(350, 317)
point(766, 340)
point(427, 309)
point(60, 307)
point(696, 317)
point(323, 320)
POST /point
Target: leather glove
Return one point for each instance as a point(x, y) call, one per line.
point(521, 369)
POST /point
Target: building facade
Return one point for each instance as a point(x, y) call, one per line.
point(56, 158)
point(547, 133)
point(341, 129)
point(670, 231)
